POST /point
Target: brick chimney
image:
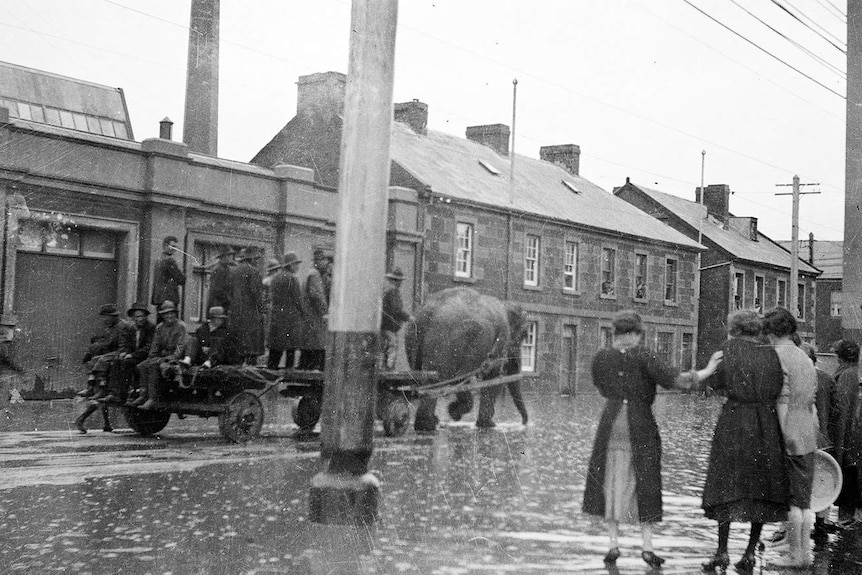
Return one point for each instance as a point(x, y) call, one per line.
point(414, 114)
point(495, 136)
point(716, 199)
point(321, 93)
point(200, 121)
point(567, 156)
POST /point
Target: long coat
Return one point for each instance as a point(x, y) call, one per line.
point(138, 346)
point(167, 279)
point(287, 314)
point(221, 291)
point(630, 377)
point(314, 335)
point(246, 309)
point(746, 462)
point(845, 425)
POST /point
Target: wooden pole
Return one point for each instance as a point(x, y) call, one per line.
point(851, 313)
point(345, 492)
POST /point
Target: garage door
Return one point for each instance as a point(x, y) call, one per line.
point(57, 299)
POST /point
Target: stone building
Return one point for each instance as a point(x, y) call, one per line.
point(571, 253)
point(741, 268)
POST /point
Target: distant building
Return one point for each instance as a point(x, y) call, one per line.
point(741, 269)
point(571, 253)
point(827, 256)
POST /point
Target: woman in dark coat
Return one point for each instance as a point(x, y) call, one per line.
point(286, 314)
point(846, 426)
point(747, 479)
point(246, 306)
point(624, 480)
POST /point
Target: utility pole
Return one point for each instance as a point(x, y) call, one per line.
point(794, 248)
point(346, 493)
point(851, 286)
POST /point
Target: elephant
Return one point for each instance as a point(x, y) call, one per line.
point(454, 333)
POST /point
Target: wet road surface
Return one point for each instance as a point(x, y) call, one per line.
point(463, 501)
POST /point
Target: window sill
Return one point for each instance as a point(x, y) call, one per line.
point(532, 288)
point(464, 280)
point(671, 303)
point(607, 296)
point(641, 300)
point(571, 291)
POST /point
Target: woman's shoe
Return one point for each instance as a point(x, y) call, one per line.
point(612, 556)
point(652, 559)
point(746, 564)
point(719, 560)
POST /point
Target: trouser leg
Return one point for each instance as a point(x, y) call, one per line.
point(88, 411)
point(273, 358)
point(514, 388)
point(487, 397)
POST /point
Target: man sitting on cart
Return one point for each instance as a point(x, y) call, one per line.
point(168, 347)
point(213, 343)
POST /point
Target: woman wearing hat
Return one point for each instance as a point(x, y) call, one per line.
point(246, 307)
point(746, 480)
point(286, 314)
point(846, 427)
point(624, 477)
point(221, 291)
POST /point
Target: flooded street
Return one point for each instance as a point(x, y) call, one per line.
point(464, 501)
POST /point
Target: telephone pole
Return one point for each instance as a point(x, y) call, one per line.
point(794, 248)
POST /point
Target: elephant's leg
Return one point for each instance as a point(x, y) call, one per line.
point(463, 404)
point(515, 392)
point(426, 420)
point(487, 396)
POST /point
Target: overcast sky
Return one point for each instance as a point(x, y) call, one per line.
point(641, 86)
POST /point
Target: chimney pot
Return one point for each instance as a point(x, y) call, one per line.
point(567, 156)
point(414, 114)
point(495, 136)
point(321, 93)
point(166, 128)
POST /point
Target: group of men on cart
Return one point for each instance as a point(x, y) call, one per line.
point(133, 362)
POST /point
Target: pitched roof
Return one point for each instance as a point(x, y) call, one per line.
point(43, 97)
point(462, 169)
point(828, 256)
point(763, 251)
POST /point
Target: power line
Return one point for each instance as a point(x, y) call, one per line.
point(798, 19)
point(723, 54)
point(833, 11)
point(764, 50)
point(840, 73)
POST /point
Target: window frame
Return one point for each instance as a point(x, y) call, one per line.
point(832, 303)
point(759, 292)
point(606, 335)
point(667, 267)
point(666, 353)
point(738, 291)
point(535, 259)
point(800, 301)
point(575, 272)
point(529, 347)
point(612, 271)
point(471, 227)
point(645, 256)
point(781, 298)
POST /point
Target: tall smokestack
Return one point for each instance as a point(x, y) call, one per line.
point(200, 124)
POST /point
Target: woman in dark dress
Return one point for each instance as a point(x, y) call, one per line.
point(747, 479)
point(624, 479)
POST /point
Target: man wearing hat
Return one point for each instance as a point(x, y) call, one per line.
point(100, 359)
point(168, 346)
point(393, 317)
point(167, 276)
point(286, 314)
point(246, 308)
point(220, 287)
point(316, 306)
point(212, 343)
point(134, 348)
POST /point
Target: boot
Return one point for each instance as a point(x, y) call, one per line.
point(797, 556)
point(79, 422)
point(140, 400)
point(152, 397)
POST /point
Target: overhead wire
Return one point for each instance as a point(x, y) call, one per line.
point(797, 18)
point(831, 67)
point(833, 11)
point(764, 50)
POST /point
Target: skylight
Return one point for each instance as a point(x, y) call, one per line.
point(571, 186)
point(489, 167)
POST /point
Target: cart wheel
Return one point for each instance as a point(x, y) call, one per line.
point(146, 422)
point(307, 412)
point(242, 417)
point(397, 417)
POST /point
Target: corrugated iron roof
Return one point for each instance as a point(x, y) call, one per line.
point(463, 169)
point(764, 251)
